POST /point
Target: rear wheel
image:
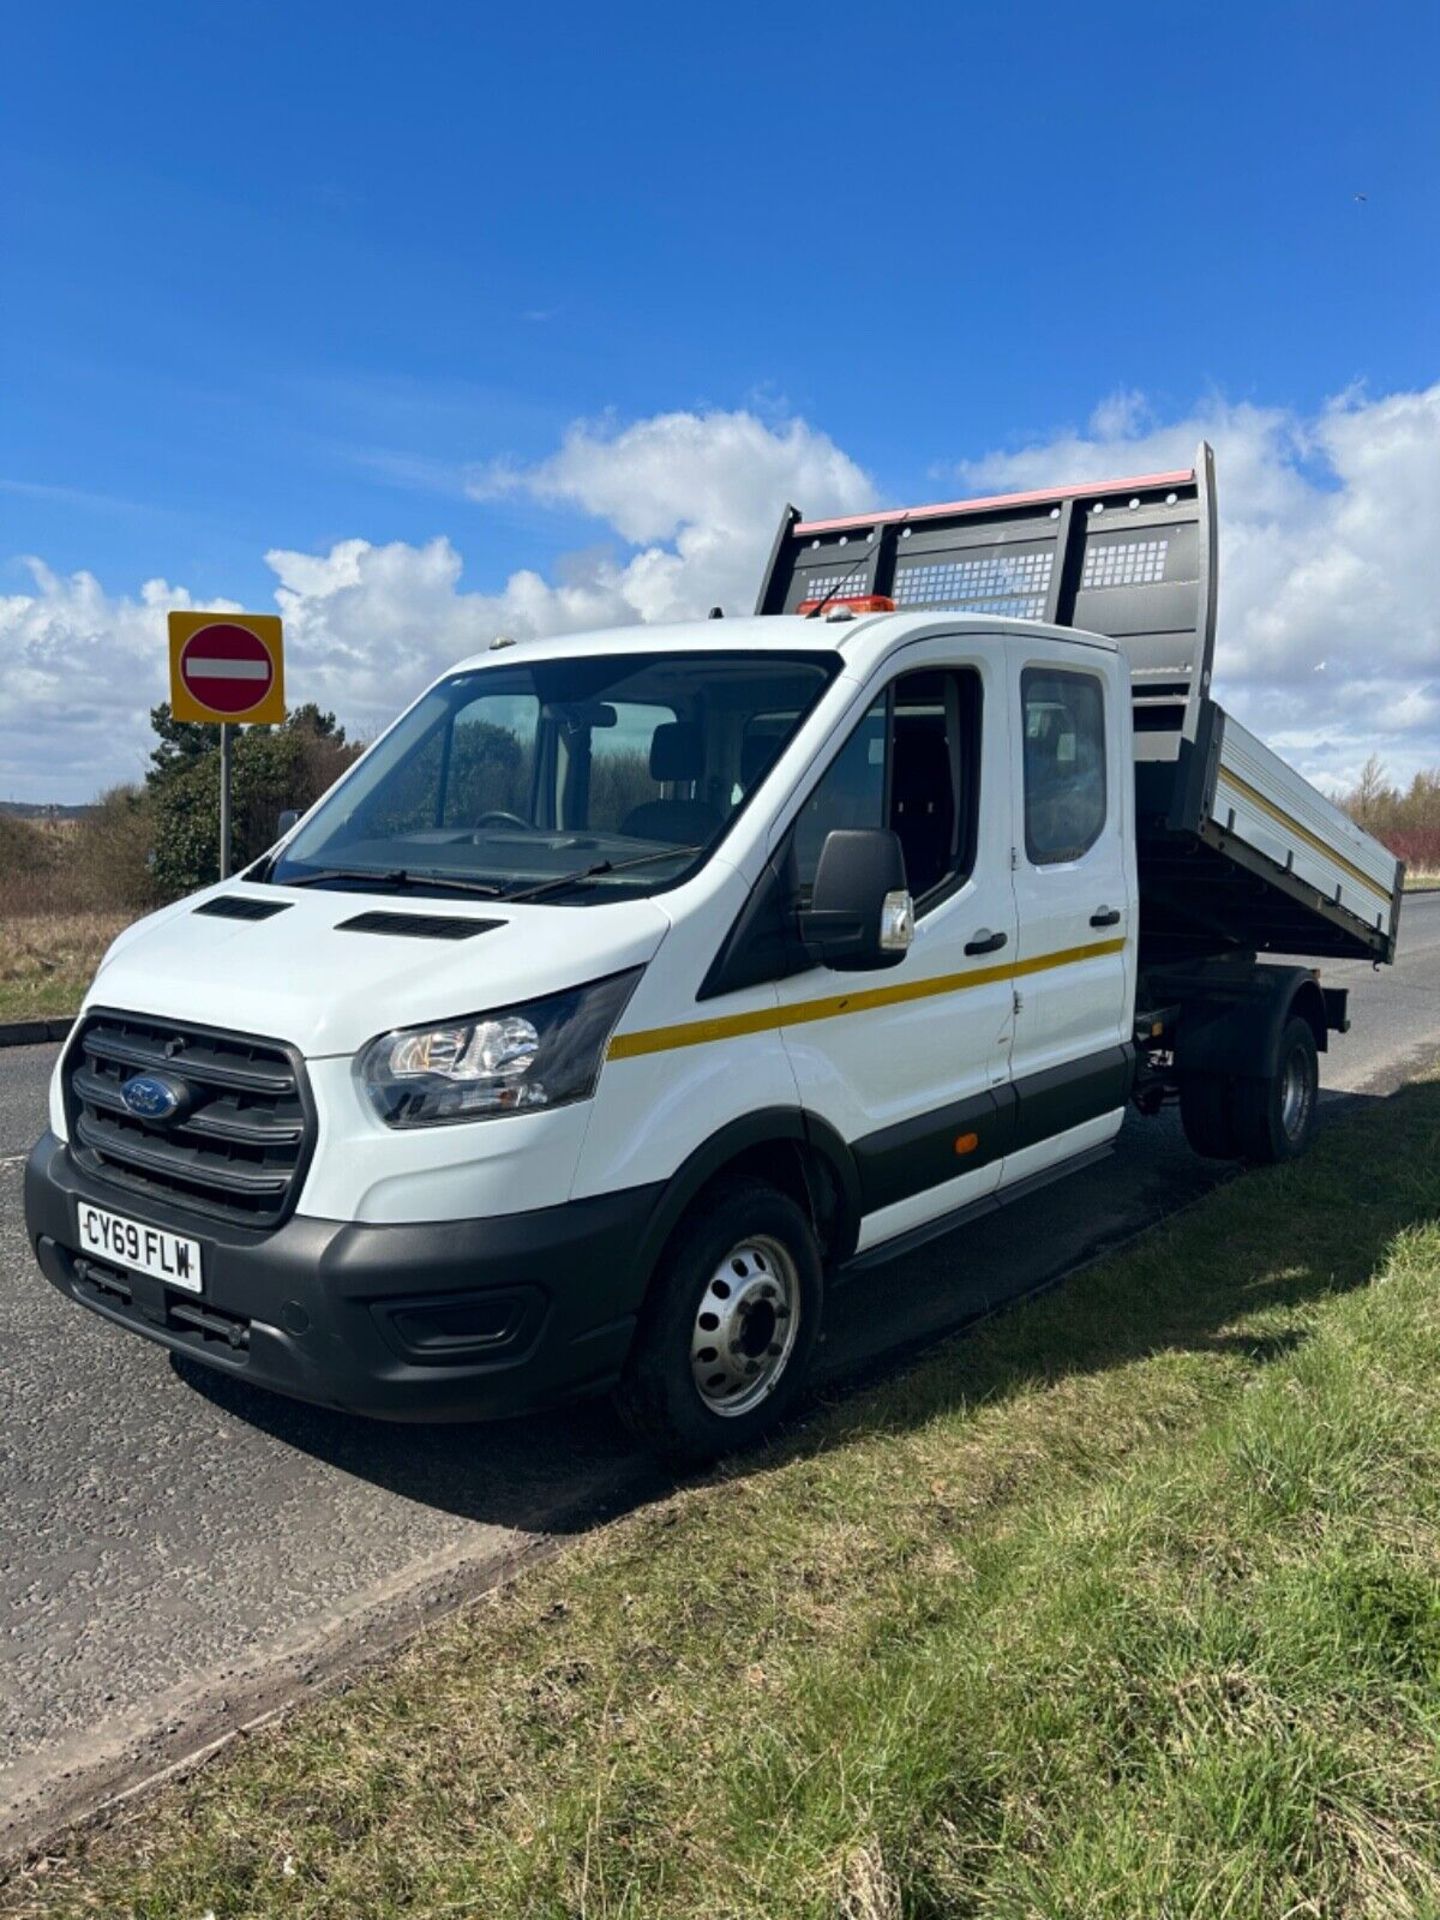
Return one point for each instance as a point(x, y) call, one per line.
point(1274, 1118)
point(727, 1333)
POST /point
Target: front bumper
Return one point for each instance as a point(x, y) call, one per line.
point(443, 1320)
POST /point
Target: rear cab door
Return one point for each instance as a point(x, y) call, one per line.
point(1072, 790)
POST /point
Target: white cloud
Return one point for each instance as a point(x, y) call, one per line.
point(694, 498)
point(699, 495)
point(71, 658)
point(1328, 637)
point(1329, 603)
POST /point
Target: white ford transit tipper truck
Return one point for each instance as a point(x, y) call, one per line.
point(635, 985)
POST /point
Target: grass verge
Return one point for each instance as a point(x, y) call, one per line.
point(1128, 1603)
point(47, 960)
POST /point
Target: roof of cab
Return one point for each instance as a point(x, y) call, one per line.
point(775, 632)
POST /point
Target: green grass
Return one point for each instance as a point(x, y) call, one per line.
point(1126, 1604)
point(47, 960)
point(42, 997)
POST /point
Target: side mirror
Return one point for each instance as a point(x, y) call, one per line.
point(286, 822)
point(861, 916)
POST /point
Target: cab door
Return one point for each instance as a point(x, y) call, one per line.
point(1072, 788)
point(910, 1065)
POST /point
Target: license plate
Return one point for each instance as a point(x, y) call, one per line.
point(128, 1243)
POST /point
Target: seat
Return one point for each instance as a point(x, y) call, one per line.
point(677, 753)
point(922, 803)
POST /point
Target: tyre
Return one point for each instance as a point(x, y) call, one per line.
point(1274, 1118)
point(1205, 1115)
point(727, 1333)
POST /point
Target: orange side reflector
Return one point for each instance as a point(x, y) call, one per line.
point(966, 1142)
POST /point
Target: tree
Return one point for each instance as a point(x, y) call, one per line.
point(183, 743)
point(272, 768)
point(1408, 823)
point(310, 720)
point(1371, 795)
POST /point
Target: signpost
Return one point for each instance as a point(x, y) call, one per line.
point(227, 669)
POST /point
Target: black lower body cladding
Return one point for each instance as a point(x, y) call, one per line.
point(925, 1152)
point(442, 1320)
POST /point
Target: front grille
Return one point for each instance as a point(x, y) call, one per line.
point(238, 1148)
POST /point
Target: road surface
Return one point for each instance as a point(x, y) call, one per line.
point(178, 1552)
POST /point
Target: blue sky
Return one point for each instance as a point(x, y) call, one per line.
point(287, 276)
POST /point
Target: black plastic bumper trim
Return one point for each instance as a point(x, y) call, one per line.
point(310, 1309)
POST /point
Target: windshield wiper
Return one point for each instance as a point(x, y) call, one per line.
point(395, 877)
point(601, 866)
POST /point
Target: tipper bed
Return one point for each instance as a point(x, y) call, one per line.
point(1237, 852)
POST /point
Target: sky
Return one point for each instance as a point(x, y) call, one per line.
point(420, 324)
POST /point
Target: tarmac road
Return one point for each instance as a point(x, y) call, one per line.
point(179, 1553)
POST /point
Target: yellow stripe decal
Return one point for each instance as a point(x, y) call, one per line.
point(728, 1026)
point(1248, 793)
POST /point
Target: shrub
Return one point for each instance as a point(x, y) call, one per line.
point(272, 768)
point(140, 846)
point(99, 863)
point(112, 853)
point(27, 864)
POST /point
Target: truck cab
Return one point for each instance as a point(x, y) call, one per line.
point(633, 988)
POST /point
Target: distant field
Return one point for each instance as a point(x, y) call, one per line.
point(47, 960)
point(67, 886)
point(1421, 882)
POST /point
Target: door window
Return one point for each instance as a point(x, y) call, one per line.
point(1064, 755)
point(912, 764)
point(850, 793)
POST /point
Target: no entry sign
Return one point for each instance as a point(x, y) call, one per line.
point(227, 666)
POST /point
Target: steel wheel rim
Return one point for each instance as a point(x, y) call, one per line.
point(1295, 1095)
point(745, 1326)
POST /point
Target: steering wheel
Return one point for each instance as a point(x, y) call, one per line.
point(498, 817)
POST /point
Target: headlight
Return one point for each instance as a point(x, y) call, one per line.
point(542, 1054)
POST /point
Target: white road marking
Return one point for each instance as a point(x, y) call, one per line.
point(13, 1159)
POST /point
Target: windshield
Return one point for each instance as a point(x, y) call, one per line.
point(595, 777)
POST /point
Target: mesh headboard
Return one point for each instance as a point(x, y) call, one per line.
point(1134, 559)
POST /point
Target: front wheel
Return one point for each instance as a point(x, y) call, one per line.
point(725, 1340)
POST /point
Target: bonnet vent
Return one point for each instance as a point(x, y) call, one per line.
point(240, 906)
point(418, 926)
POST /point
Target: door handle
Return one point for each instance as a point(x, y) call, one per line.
point(1105, 917)
point(986, 942)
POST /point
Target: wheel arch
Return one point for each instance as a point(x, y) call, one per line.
point(798, 1152)
point(1236, 1037)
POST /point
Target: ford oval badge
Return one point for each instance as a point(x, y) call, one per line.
point(154, 1096)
